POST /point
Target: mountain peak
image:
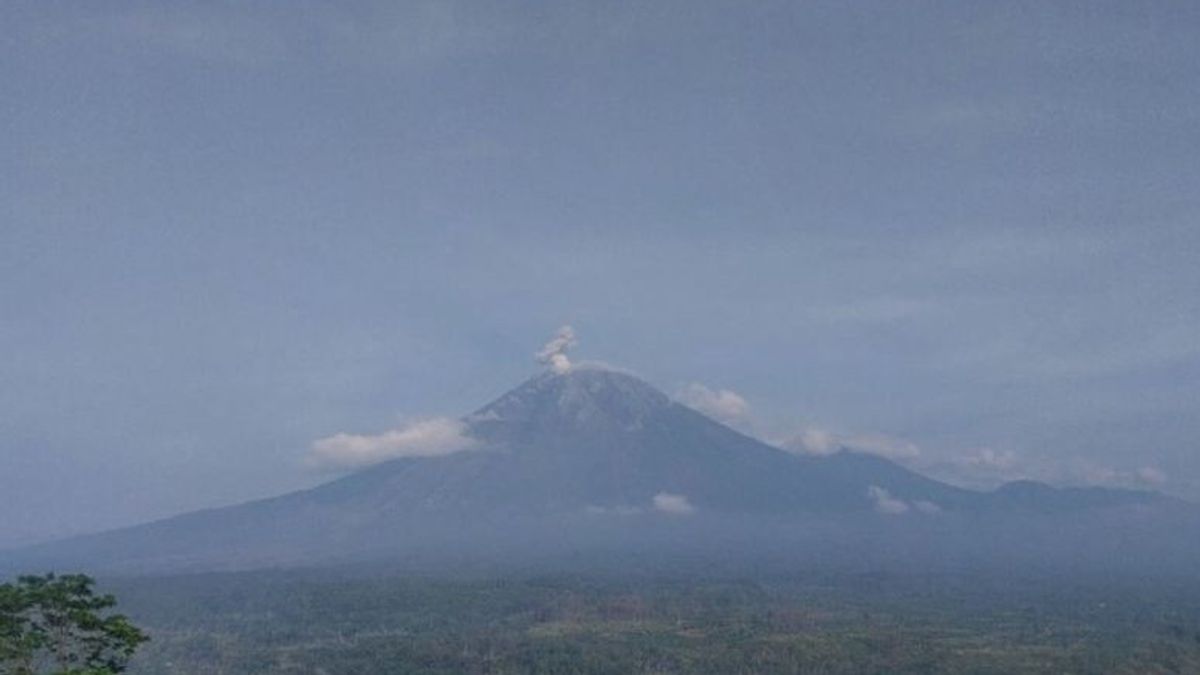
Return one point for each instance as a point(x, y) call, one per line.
point(583, 456)
point(583, 397)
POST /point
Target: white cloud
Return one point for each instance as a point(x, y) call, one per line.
point(991, 460)
point(982, 468)
point(722, 405)
point(1149, 475)
point(663, 502)
point(822, 442)
point(885, 503)
point(888, 505)
point(433, 437)
point(814, 442)
point(554, 352)
point(986, 468)
point(1095, 474)
point(673, 504)
point(884, 446)
point(1090, 473)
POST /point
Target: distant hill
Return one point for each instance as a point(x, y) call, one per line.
point(595, 460)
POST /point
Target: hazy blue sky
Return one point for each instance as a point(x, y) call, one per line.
point(229, 229)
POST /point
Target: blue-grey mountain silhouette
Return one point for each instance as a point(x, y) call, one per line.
point(598, 461)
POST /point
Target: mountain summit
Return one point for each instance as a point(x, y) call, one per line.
point(584, 398)
point(603, 441)
point(573, 452)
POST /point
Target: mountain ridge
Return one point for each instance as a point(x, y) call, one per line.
point(560, 456)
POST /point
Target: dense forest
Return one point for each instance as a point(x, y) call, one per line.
point(356, 622)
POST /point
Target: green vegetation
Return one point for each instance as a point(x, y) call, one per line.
point(57, 624)
point(318, 623)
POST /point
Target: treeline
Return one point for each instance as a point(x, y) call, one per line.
point(297, 623)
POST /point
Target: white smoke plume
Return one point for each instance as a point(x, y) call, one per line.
point(554, 353)
point(433, 437)
point(673, 504)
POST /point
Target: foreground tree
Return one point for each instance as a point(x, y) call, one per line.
point(58, 625)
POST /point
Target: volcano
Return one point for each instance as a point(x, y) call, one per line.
point(585, 458)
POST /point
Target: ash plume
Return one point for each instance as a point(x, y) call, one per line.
point(554, 352)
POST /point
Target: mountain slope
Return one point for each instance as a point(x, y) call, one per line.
point(561, 456)
point(602, 439)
